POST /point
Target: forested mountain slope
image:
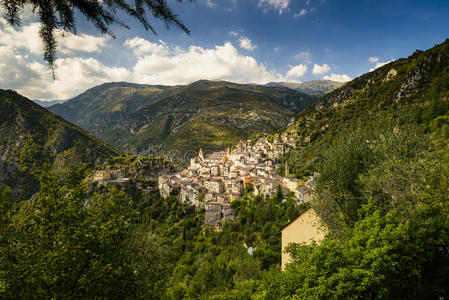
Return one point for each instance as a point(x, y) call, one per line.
point(32, 137)
point(414, 90)
point(108, 102)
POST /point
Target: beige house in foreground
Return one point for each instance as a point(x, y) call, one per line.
point(303, 229)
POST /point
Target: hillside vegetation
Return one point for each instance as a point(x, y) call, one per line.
point(108, 102)
point(32, 138)
point(407, 92)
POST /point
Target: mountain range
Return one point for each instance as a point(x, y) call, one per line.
point(48, 103)
point(205, 114)
point(215, 115)
point(313, 87)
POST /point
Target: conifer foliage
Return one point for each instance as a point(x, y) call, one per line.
point(60, 14)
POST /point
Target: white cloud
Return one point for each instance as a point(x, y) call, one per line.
point(373, 59)
point(320, 69)
point(304, 57)
point(337, 77)
point(210, 3)
point(15, 71)
point(245, 43)
point(151, 62)
point(155, 63)
point(27, 38)
point(380, 64)
point(182, 66)
point(280, 5)
point(234, 33)
point(143, 47)
point(296, 71)
point(22, 68)
point(301, 13)
point(82, 42)
point(74, 75)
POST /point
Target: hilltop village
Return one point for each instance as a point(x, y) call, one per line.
point(212, 182)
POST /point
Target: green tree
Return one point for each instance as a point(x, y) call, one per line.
point(67, 245)
point(384, 258)
point(338, 189)
point(6, 211)
point(381, 161)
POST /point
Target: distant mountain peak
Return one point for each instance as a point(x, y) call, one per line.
point(48, 103)
point(313, 87)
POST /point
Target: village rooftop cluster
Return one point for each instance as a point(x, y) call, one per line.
point(214, 181)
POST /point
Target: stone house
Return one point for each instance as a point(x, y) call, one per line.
point(238, 186)
point(214, 170)
point(289, 184)
point(101, 175)
point(212, 214)
point(221, 198)
point(234, 173)
point(164, 190)
point(270, 187)
point(311, 184)
point(262, 173)
point(224, 169)
point(229, 214)
point(168, 185)
point(252, 172)
point(257, 186)
point(303, 194)
point(214, 186)
point(193, 194)
point(217, 157)
point(211, 197)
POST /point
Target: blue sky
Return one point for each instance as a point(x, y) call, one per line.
point(244, 41)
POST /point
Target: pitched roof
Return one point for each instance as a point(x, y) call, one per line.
point(285, 226)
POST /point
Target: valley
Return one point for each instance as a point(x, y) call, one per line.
point(331, 188)
point(176, 120)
